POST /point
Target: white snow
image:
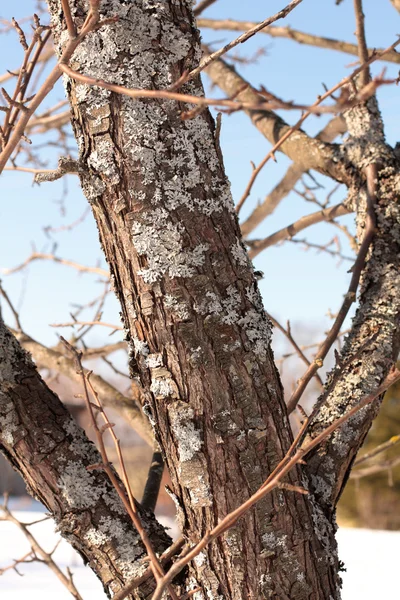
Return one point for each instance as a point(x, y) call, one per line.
point(370, 556)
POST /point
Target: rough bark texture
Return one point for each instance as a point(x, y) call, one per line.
point(41, 440)
point(199, 338)
point(110, 397)
point(377, 318)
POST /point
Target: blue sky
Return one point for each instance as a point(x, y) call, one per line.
point(298, 285)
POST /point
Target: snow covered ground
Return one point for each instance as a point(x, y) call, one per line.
point(371, 558)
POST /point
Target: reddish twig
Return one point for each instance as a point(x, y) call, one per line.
point(350, 297)
point(129, 503)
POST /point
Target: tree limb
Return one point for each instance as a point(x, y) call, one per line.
point(327, 214)
point(129, 408)
point(335, 127)
point(308, 153)
point(53, 455)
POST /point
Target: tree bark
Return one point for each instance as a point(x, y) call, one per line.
point(43, 443)
point(199, 338)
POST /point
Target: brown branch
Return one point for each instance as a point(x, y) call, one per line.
point(110, 396)
point(287, 463)
point(153, 482)
point(295, 35)
point(259, 104)
point(385, 465)
point(68, 19)
point(42, 124)
point(335, 127)
point(165, 558)
point(84, 323)
point(102, 351)
point(11, 307)
point(288, 334)
point(322, 247)
point(202, 6)
point(306, 151)
point(44, 57)
point(244, 37)
point(63, 261)
point(370, 228)
point(327, 214)
point(18, 131)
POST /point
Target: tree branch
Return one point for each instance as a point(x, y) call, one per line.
point(327, 214)
point(129, 408)
point(56, 460)
point(244, 37)
point(335, 127)
point(297, 36)
point(308, 153)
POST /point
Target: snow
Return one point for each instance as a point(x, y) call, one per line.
point(370, 557)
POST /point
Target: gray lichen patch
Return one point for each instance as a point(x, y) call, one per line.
point(365, 143)
point(161, 241)
point(78, 488)
point(229, 310)
point(187, 435)
point(13, 359)
point(162, 383)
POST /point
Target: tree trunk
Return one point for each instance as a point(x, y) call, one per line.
point(199, 339)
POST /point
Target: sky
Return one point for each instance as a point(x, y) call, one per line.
point(298, 285)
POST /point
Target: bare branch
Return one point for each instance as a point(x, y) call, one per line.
point(202, 6)
point(394, 440)
point(38, 551)
point(362, 43)
point(297, 36)
point(110, 396)
point(244, 37)
point(385, 465)
point(288, 334)
point(129, 503)
point(63, 261)
point(335, 127)
point(285, 466)
point(153, 483)
point(350, 297)
point(327, 214)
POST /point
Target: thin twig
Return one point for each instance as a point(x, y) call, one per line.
point(288, 334)
point(38, 551)
point(11, 307)
point(394, 440)
point(201, 7)
point(370, 228)
point(63, 261)
point(244, 37)
point(295, 35)
point(129, 503)
point(362, 43)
